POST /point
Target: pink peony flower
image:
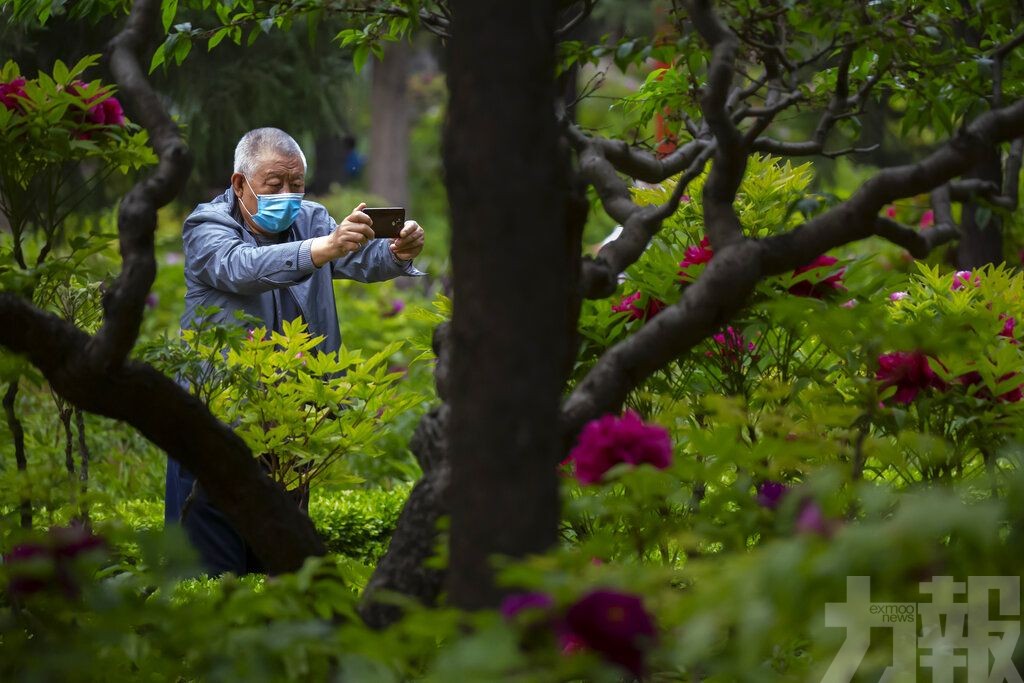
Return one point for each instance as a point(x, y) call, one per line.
point(909, 372)
point(770, 494)
point(898, 296)
point(927, 219)
point(694, 256)
point(852, 303)
point(612, 624)
point(610, 440)
point(732, 346)
point(962, 277)
point(1008, 324)
point(11, 92)
point(629, 304)
point(818, 289)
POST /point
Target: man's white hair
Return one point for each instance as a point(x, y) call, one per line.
point(260, 141)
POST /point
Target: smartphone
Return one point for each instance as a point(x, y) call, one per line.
point(387, 222)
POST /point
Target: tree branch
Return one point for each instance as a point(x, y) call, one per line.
point(730, 277)
point(137, 215)
point(722, 225)
point(585, 10)
point(281, 535)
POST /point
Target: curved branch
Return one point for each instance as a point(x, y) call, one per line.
point(136, 221)
point(730, 277)
point(722, 225)
point(599, 276)
point(281, 535)
point(568, 26)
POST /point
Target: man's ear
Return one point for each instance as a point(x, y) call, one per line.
point(238, 184)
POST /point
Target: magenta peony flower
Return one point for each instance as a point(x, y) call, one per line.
point(36, 567)
point(971, 378)
point(811, 520)
point(615, 625)
point(909, 372)
point(1008, 324)
point(962, 277)
point(517, 602)
point(890, 211)
point(694, 256)
point(629, 304)
point(732, 346)
point(927, 219)
point(397, 306)
point(770, 494)
point(822, 287)
point(898, 296)
point(11, 92)
point(610, 440)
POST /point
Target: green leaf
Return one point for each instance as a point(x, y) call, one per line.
point(170, 9)
point(182, 49)
point(359, 56)
point(218, 36)
point(60, 72)
point(83, 64)
point(158, 57)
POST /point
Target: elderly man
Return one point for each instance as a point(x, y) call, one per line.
point(262, 249)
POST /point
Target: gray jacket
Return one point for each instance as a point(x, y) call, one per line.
point(224, 267)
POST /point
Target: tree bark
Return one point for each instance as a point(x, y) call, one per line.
point(389, 132)
point(981, 240)
point(507, 188)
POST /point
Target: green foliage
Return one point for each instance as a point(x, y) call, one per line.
point(301, 411)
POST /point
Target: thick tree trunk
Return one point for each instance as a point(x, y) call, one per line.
point(389, 132)
point(507, 187)
point(981, 240)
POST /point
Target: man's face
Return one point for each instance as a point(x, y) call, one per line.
point(275, 174)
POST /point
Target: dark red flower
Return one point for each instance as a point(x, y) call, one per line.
point(909, 372)
point(972, 378)
point(44, 566)
point(11, 92)
point(818, 288)
point(770, 494)
point(615, 625)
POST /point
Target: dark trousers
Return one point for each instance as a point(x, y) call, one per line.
point(221, 548)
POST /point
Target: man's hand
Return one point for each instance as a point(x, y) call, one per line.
point(409, 243)
point(350, 235)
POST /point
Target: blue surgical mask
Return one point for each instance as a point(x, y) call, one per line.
point(275, 212)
